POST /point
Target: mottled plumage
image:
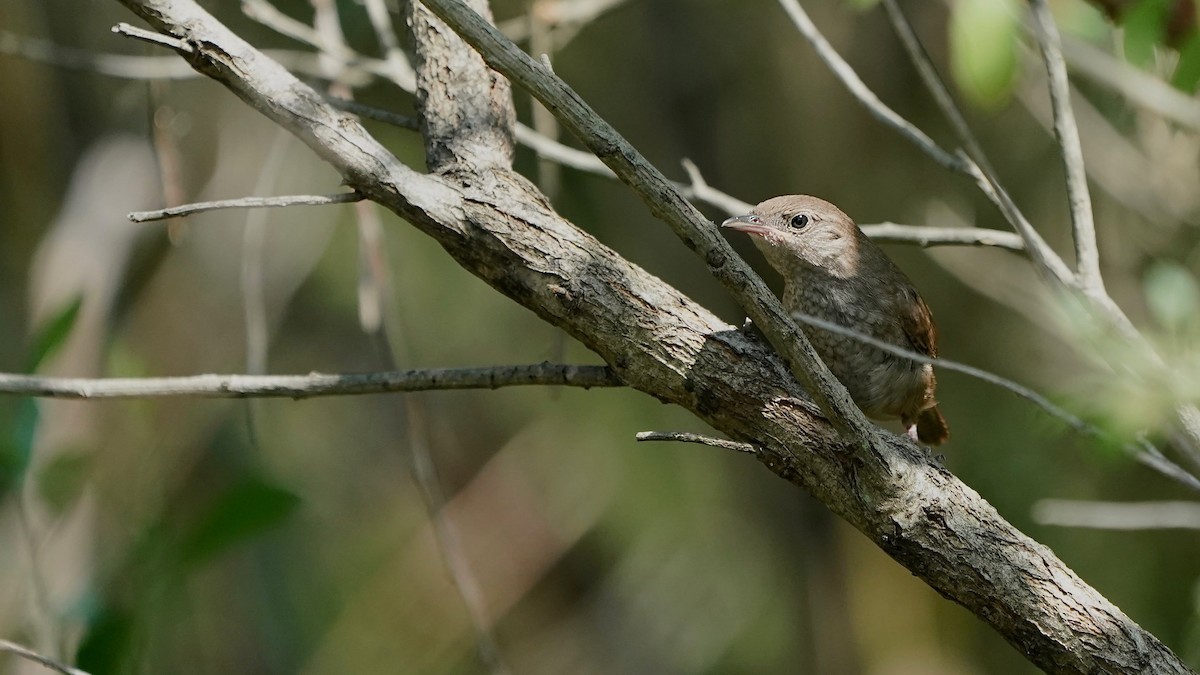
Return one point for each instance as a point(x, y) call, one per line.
point(832, 271)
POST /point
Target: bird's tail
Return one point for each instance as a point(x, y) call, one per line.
point(931, 427)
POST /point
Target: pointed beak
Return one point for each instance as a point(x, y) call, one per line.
point(750, 224)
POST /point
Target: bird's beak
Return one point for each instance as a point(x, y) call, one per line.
point(750, 224)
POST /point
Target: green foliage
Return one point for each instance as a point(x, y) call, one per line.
point(241, 512)
point(1172, 295)
point(107, 643)
point(1145, 25)
point(52, 336)
point(63, 479)
point(1187, 72)
point(983, 50)
point(17, 450)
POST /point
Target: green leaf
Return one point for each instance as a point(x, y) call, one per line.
point(241, 512)
point(53, 334)
point(861, 5)
point(1187, 72)
point(1145, 25)
point(1172, 294)
point(61, 481)
point(983, 50)
point(107, 643)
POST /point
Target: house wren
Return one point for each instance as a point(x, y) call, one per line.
point(832, 271)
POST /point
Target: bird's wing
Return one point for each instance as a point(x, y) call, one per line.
point(917, 321)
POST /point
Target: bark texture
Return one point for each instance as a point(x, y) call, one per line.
point(494, 223)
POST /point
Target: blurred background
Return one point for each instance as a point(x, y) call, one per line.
point(277, 536)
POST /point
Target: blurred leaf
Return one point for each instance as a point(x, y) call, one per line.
point(1187, 72)
point(62, 480)
point(106, 643)
point(53, 334)
point(983, 49)
point(1145, 25)
point(1172, 294)
point(16, 453)
point(243, 511)
point(861, 5)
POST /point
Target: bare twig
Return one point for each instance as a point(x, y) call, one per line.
point(245, 203)
point(29, 654)
point(1087, 255)
point(927, 236)
point(978, 166)
point(152, 37)
point(863, 93)
point(307, 386)
point(687, 437)
point(1118, 515)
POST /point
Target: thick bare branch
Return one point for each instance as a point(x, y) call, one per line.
point(666, 202)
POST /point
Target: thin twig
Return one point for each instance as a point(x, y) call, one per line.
point(687, 437)
point(863, 93)
point(1083, 224)
point(29, 654)
point(307, 386)
point(978, 166)
point(152, 37)
point(927, 236)
point(245, 203)
point(377, 114)
point(1117, 515)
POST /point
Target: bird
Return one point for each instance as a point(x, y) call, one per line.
point(833, 272)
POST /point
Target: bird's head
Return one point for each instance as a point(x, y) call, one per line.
point(797, 231)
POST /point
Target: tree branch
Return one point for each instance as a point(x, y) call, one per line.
point(311, 385)
point(245, 203)
point(660, 342)
point(687, 437)
point(30, 655)
point(661, 197)
point(1118, 515)
point(1083, 225)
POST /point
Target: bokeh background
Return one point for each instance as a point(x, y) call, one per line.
point(278, 536)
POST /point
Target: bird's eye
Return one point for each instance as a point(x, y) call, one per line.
point(798, 221)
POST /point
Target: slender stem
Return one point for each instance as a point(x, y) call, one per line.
point(687, 437)
point(306, 386)
point(29, 654)
point(1083, 225)
point(245, 203)
point(863, 93)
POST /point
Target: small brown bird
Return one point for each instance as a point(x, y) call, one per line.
point(832, 271)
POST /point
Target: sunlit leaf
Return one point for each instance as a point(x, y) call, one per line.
point(1144, 24)
point(1187, 72)
point(241, 512)
point(983, 49)
point(53, 334)
point(1172, 294)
